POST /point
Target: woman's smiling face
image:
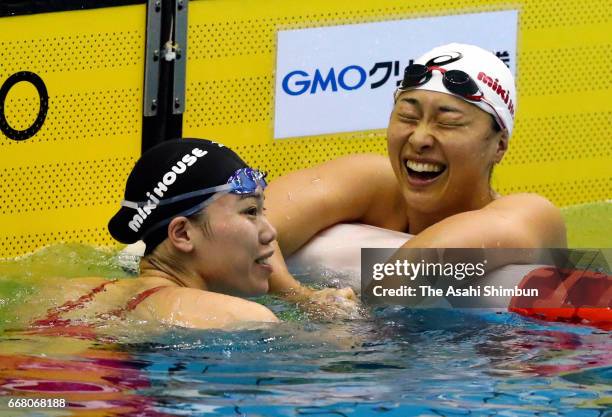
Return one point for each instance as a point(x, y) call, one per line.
point(442, 150)
point(234, 246)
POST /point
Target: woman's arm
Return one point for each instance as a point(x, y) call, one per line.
point(359, 188)
point(513, 221)
point(522, 224)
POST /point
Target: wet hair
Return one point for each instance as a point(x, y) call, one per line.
point(496, 127)
point(203, 220)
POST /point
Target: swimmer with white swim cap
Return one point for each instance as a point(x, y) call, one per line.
point(450, 125)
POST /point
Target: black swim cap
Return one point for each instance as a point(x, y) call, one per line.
point(167, 170)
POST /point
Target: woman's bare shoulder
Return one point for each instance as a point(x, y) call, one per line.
point(524, 201)
point(535, 212)
point(194, 308)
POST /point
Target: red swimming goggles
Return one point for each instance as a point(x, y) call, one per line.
point(455, 81)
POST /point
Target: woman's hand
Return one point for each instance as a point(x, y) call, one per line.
point(328, 303)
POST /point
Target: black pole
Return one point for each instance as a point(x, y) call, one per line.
point(164, 125)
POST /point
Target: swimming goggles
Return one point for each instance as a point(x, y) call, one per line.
point(243, 181)
point(456, 81)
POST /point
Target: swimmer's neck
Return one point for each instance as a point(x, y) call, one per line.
point(150, 268)
point(419, 220)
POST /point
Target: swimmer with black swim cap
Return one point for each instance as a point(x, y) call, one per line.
point(450, 125)
point(199, 208)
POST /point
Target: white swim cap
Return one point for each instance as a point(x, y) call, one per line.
point(492, 76)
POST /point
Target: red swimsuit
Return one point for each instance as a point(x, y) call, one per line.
point(53, 325)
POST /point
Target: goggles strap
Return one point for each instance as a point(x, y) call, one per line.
point(185, 213)
point(233, 183)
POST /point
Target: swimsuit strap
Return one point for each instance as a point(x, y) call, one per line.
point(53, 325)
point(52, 317)
point(133, 302)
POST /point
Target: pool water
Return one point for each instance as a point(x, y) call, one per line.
point(392, 362)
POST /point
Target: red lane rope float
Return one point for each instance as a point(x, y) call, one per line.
point(567, 295)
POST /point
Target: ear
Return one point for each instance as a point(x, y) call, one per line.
point(180, 234)
point(502, 146)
